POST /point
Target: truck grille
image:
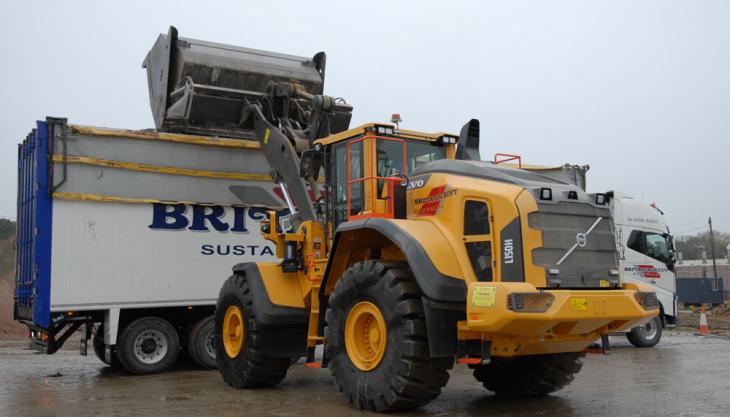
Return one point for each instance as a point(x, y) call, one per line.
point(573, 257)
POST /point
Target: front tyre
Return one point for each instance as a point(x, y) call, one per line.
point(241, 361)
point(647, 335)
point(376, 340)
point(148, 345)
point(529, 376)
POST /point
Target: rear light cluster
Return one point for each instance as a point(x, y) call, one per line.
point(529, 302)
point(647, 300)
point(36, 334)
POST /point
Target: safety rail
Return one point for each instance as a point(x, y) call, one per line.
point(500, 158)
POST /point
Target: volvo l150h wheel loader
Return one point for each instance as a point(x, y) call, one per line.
point(416, 254)
point(402, 252)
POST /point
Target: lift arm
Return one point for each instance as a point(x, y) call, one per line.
point(284, 163)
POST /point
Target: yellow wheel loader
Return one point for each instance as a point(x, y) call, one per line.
point(402, 252)
point(418, 254)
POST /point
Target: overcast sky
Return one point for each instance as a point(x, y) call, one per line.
point(639, 90)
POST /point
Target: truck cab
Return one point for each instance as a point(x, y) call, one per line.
point(646, 256)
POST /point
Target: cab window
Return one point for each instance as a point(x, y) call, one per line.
point(478, 238)
point(390, 157)
point(340, 181)
point(654, 245)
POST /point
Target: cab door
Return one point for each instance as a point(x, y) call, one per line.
point(648, 260)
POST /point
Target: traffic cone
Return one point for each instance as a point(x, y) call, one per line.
point(704, 329)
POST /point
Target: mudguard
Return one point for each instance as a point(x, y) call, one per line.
point(286, 327)
point(444, 297)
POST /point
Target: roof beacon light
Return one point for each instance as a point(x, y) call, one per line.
point(395, 118)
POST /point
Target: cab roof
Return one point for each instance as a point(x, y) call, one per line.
point(370, 127)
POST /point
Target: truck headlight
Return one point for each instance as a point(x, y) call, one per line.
point(529, 302)
point(647, 300)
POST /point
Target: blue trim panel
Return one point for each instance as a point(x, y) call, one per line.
point(35, 219)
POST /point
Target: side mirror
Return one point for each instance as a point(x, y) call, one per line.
point(310, 163)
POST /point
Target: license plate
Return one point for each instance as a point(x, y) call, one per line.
point(579, 303)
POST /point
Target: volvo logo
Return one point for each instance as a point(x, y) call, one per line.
point(580, 241)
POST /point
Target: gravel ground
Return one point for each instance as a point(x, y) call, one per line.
point(685, 375)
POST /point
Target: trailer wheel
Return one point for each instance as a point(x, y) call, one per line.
point(200, 343)
point(376, 339)
point(97, 342)
point(529, 376)
point(148, 345)
point(647, 335)
point(238, 340)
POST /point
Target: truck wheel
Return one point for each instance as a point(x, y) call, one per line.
point(148, 345)
point(529, 376)
point(200, 343)
point(376, 339)
point(647, 335)
point(238, 340)
point(97, 342)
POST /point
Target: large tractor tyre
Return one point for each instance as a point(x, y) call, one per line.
point(647, 335)
point(200, 343)
point(97, 343)
point(148, 345)
point(529, 376)
point(376, 339)
point(238, 340)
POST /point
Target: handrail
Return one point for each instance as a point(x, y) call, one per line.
point(506, 157)
point(373, 179)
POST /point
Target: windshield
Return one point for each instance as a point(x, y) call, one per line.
point(418, 152)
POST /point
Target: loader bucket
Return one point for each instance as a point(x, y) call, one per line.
point(200, 87)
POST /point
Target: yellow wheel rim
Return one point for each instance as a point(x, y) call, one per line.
point(233, 334)
point(365, 336)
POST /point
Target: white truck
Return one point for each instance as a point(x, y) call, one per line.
point(646, 255)
point(129, 235)
point(645, 246)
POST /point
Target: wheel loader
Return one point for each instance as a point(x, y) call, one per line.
point(402, 252)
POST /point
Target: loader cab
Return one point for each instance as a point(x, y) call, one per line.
point(367, 168)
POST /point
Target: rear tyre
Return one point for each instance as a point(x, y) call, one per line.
point(377, 343)
point(529, 376)
point(148, 345)
point(97, 342)
point(200, 343)
point(647, 335)
point(238, 340)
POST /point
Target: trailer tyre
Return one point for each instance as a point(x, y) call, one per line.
point(529, 376)
point(647, 335)
point(376, 339)
point(148, 345)
point(238, 340)
point(200, 343)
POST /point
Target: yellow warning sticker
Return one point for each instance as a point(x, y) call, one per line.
point(604, 283)
point(484, 296)
point(579, 303)
point(266, 136)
